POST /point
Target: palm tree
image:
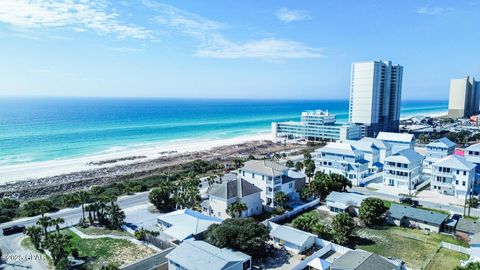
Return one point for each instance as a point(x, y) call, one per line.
point(35, 234)
point(211, 180)
point(280, 199)
point(45, 222)
point(44, 206)
point(235, 209)
point(83, 197)
point(115, 215)
point(299, 166)
point(56, 222)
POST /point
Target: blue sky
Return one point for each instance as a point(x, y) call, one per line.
point(231, 49)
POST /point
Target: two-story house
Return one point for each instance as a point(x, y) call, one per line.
point(453, 175)
point(403, 170)
point(238, 190)
point(472, 154)
point(272, 177)
point(343, 159)
point(437, 150)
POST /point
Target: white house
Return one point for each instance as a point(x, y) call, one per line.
point(472, 154)
point(272, 177)
point(371, 153)
point(453, 175)
point(344, 159)
point(185, 224)
point(385, 148)
point(398, 141)
point(294, 240)
point(233, 191)
point(194, 255)
point(341, 202)
point(403, 170)
point(437, 150)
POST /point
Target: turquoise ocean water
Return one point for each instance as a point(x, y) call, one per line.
point(41, 129)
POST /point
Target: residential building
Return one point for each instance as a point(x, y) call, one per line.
point(193, 255)
point(453, 175)
point(294, 240)
point(472, 154)
point(371, 153)
point(403, 170)
point(375, 96)
point(364, 260)
point(316, 126)
point(437, 150)
point(464, 97)
point(398, 141)
point(475, 247)
point(406, 216)
point(238, 190)
point(344, 159)
point(272, 177)
point(385, 148)
point(185, 224)
point(466, 228)
point(344, 202)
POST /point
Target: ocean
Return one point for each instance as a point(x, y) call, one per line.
point(43, 129)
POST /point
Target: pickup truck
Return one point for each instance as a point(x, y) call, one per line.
point(13, 230)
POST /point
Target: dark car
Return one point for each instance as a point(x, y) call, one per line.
point(406, 200)
point(13, 230)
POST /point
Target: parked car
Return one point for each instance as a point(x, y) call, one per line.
point(405, 200)
point(13, 230)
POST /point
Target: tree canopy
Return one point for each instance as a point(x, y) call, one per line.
point(342, 228)
point(240, 234)
point(372, 210)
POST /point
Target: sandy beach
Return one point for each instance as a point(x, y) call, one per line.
point(34, 170)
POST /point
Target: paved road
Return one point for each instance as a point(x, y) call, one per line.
point(391, 197)
point(10, 245)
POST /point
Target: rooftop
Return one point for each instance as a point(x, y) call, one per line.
point(399, 211)
point(455, 162)
point(236, 188)
point(345, 198)
point(291, 235)
point(339, 148)
point(202, 255)
point(468, 226)
point(474, 147)
point(362, 260)
point(406, 156)
point(395, 137)
point(442, 142)
point(264, 167)
point(377, 142)
point(186, 222)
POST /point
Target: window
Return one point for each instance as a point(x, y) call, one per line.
point(246, 265)
point(464, 172)
point(253, 175)
point(458, 172)
point(463, 183)
point(456, 182)
point(263, 177)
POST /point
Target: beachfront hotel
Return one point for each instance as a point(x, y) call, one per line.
point(316, 125)
point(375, 95)
point(464, 98)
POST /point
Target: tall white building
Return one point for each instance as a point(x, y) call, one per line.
point(375, 95)
point(464, 99)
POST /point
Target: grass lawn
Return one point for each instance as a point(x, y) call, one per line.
point(410, 245)
point(108, 250)
point(324, 216)
point(446, 259)
point(102, 231)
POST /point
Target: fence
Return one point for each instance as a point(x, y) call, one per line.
point(422, 185)
point(455, 248)
point(159, 243)
point(294, 212)
point(152, 262)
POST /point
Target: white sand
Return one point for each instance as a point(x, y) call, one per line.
point(34, 170)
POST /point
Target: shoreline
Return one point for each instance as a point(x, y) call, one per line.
point(42, 169)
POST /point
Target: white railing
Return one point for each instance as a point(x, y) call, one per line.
point(456, 248)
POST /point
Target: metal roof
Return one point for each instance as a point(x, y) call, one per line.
point(442, 142)
point(362, 260)
point(406, 156)
point(345, 198)
point(185, 223)
point(395, 137)
point(399, 211)
point(291, 235)
point(475, 147)
point(200, 255)
point(455, 162)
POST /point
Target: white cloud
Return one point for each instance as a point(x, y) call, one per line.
point(430, 10)
point(75, 15)
point(288, 15)
point(212, 43)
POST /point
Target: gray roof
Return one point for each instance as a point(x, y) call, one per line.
point(201, 255)
point(399, 211)
point(468, 226)
point(377, 142)
point(362, 260)
point(238, 188)
point(406, 156)
point(395, 137)
point(291, 235)
point(475, 239)
point(264, 167)
point(455, 162)
point(442, 142)
point(363, 145)
point(186, 222)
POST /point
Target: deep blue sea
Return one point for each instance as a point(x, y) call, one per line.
point(40, 129)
